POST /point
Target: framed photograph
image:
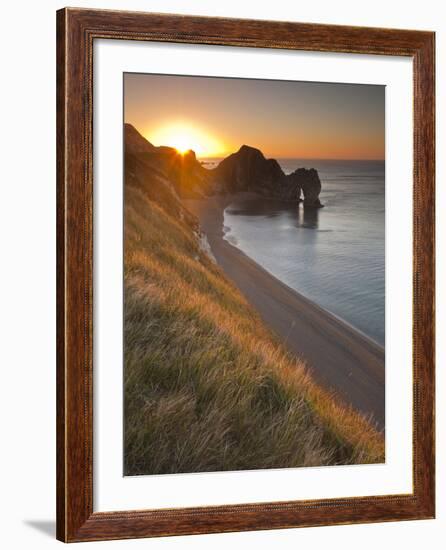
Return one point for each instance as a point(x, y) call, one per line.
point(245, 275)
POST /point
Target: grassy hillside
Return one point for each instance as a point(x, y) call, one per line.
point(207, 386)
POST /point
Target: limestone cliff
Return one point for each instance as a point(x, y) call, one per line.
point(249, 170)
point(245, 170)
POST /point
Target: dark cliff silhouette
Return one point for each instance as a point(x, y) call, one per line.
point(245, 170)
point(249, 170)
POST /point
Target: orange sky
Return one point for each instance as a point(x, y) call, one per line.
point(215, 116)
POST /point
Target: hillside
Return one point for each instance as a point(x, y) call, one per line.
point(207, 386)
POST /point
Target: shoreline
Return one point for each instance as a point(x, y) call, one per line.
point(312, 303)
point(339, 357)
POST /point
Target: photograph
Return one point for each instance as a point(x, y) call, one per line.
point(254, 274)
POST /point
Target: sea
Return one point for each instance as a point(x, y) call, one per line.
point(334, 256)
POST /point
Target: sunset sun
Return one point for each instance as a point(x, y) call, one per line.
point(185, 137)
point(184, 142)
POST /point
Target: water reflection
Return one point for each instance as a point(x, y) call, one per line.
point(270, 208)
point(299, 216)
point(308, 217)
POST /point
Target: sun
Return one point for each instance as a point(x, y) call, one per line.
point(185, 137)
point(184, 142)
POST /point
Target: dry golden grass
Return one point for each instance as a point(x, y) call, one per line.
point(207, 386)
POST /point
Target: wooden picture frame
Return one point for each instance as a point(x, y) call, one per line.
point(76, 31)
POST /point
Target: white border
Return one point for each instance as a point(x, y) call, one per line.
point(112, 491)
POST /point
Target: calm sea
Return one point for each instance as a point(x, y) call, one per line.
point(334, 255)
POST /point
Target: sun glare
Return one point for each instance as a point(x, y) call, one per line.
point(185, 137)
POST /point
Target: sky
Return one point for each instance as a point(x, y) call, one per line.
point(284, 119)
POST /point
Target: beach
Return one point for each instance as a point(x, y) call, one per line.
point(339, 357)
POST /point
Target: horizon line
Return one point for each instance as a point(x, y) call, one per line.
point(297, 157)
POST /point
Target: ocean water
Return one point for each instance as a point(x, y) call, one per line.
point(334, 255)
